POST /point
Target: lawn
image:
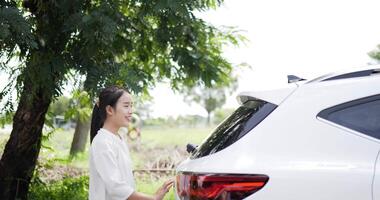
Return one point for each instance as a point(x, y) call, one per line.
point(158, 148)
point(153, 140)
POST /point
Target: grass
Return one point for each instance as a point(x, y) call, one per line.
point(150, 187)
point(154, 142)
point(151, 139)
point(58, 145)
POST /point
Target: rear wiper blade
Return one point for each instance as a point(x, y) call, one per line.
point(190, 148)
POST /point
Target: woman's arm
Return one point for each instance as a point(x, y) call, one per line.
point(140, 196)
point(161, 192)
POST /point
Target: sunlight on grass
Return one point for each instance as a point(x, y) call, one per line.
point(150, 187)
point(57, 147)
point(154, 142)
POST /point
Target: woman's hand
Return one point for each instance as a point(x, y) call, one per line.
point(161, 192)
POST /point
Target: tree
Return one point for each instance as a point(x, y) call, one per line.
point(129, 43)
point(59, 106)
point(210, 98)
point(221, 114)
point(375, 54)
point(6, 118)
point(80, 110)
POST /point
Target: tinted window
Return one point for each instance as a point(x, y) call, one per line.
point(244, 119)
point(361, 115)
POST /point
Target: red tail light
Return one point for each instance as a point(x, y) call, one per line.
point(218, 186)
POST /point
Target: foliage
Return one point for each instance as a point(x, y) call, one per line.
point(211, 98)
point(221, 114)
point(59, 106)
point(80, 106)
point(77, 189)
point(130, 43)
point(67, 188)
point(15, 34)
point(152, 140)
point(6, 118)
point(375, 54)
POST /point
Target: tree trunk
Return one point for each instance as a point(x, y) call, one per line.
point(208, 118)
point(80, 137)
point(21, 151)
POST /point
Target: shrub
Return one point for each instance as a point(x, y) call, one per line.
point(66, 189)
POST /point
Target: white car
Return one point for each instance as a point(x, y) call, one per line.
point(314, 140)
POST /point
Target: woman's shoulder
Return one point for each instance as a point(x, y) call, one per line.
point(103, 140)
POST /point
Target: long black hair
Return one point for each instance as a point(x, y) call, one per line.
point(107, 97)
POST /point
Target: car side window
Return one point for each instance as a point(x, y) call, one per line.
point(362, 115)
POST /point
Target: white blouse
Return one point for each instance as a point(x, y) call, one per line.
point(111, 176)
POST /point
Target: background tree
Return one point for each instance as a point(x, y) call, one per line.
point(375, 54)
point(6, 118)
point(59, 106)
point(129, 43)
point(79, 109)
point(210, 98)
point(222, 113)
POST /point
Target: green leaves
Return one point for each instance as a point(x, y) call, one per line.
point(79, 106)
point(15, 32)
point(375, 54)
point(131, 43)
point(6, 118)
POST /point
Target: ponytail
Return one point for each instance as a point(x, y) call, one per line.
point(96, 122)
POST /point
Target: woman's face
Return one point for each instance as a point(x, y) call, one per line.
point(122, 114)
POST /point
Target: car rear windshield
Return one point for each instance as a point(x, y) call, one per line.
point(244, 119)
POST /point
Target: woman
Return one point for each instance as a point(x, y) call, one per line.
point(111, 176)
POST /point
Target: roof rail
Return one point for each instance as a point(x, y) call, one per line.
point(350, 73)
point(354, 74)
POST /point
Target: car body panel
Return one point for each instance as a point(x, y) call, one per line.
point(275, 96)
point(304, 156)
point(376, 181)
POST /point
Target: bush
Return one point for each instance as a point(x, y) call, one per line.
point(65, 189)
point(77, 189)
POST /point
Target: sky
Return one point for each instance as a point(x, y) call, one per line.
point(299, 37)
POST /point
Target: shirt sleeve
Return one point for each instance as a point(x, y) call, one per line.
point(104, 157)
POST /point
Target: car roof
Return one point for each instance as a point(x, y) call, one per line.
point(277, 96)
point(349, 73)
